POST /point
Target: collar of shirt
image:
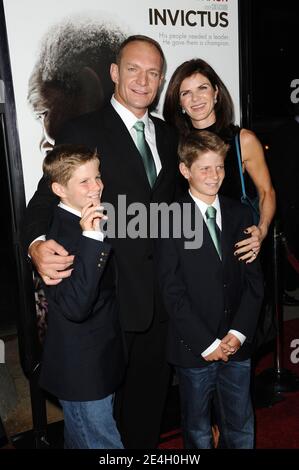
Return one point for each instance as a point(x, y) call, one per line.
point(95, 234)
point(70, 209)
point(129, 119)
point(202, 206)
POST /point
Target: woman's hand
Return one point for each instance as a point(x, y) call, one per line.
point(248, 249)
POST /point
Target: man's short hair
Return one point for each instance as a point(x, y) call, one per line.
point(61, 162)
point(196, 143)
point(142, 38)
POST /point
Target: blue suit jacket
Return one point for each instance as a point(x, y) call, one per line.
point(83, 357)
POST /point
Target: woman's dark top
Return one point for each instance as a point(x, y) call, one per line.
point(231, 186)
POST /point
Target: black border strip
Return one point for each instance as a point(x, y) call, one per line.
point(26, 318)
point(245, 62)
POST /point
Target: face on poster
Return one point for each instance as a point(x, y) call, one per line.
point(71, 42)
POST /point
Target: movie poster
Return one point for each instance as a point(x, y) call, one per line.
point(60, 53)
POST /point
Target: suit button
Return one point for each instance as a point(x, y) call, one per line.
point(226, 311)
point(150, 257)
point(225, 286)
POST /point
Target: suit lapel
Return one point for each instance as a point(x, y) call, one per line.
point(124, 146)
point(227, 232)
point(162, 152)
point(208, 243)
point(207, 240)
point(227, 227)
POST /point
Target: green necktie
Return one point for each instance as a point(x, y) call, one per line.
point(146, 154)
point(213, 228)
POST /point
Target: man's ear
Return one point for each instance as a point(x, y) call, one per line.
point(184, 170)
point(114, 73)
point(58, 189)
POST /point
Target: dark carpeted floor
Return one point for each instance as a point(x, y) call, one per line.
point(277, 427)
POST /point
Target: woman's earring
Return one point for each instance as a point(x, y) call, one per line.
point(183, 111)
point(215, 100)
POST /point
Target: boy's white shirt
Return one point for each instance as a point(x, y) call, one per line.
point(95, 234)
point(202, 206)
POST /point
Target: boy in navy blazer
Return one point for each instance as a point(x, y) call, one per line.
point(213, 300)
point(83, 357)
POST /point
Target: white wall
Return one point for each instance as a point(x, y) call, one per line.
point(28, 20)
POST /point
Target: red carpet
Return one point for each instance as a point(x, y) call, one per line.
point(277, 427)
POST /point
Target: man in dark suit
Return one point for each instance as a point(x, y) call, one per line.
point(83, 359)
point(137, 74)
point(213, 301)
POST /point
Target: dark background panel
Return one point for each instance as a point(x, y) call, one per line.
point(275, 63)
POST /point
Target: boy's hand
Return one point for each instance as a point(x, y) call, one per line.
point(230, 344)
point(91, 217)
point(217, 355)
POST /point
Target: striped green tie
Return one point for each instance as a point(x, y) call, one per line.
point(145, 152)
point(213, 228)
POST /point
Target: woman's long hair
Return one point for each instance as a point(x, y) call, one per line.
point(224, 108)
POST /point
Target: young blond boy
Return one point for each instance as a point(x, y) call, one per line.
point(83, 358)
point(213, 301)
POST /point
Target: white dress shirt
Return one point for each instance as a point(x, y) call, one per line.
point(202, 206)
point(95, 234)
point(129, 119)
